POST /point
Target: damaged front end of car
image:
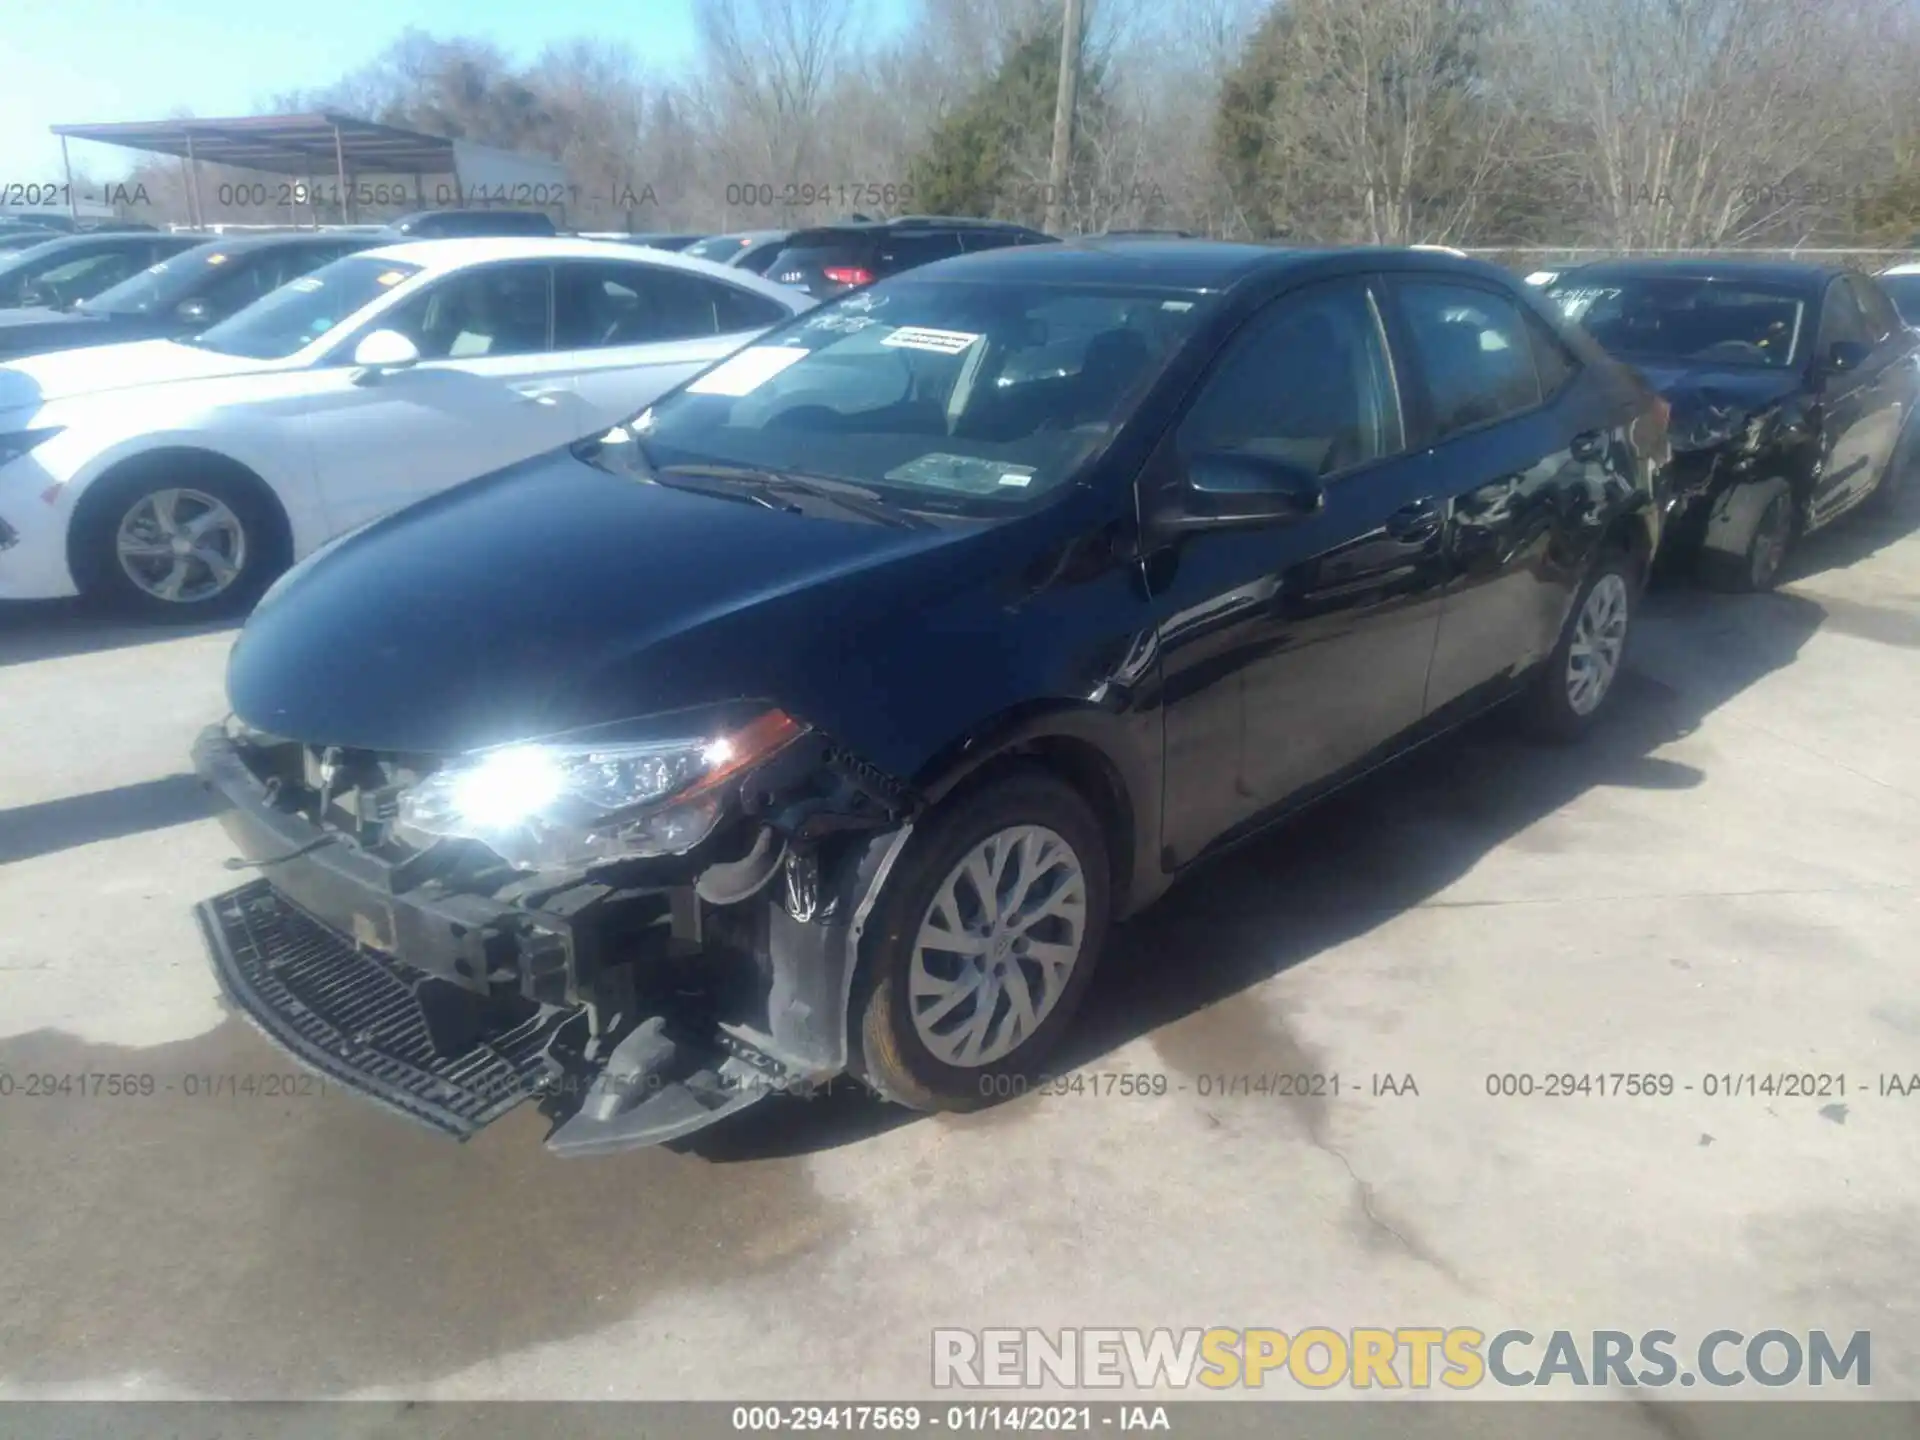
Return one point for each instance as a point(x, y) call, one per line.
point(1725, 436)
point(643, 928)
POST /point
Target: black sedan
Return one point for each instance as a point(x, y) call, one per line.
point(52, 272)
point(1790, 385)
point(188, 291)
point(826, 715)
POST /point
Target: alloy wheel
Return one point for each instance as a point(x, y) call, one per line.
point(182, 546)
point(1770, 541)
point(997, 946)
point(1599, 640)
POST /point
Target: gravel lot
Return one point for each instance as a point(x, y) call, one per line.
point(1722, 881)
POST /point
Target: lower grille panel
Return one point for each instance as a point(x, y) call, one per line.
point(356, 1019)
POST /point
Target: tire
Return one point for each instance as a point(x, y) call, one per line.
point(239, 528)
point(1750, 533)
point(1562, 704)
point(1030, 813)
point(1885, 497)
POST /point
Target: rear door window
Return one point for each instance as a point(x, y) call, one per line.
point(1475, 352)
point(603, 304)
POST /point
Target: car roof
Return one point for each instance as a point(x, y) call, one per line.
point(242, 244)
point(1774, 272)
point(455, 254)
point(1191, 265)
point(57, 241)
point(908, 224)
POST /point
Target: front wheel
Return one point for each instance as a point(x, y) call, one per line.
point(175, 547)
point(982, 945)
point(1750, 533)
point(1573, 685)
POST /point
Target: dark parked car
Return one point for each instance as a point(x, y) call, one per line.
point(185, 293)
point(829, 260)
point(465, 224)
point(746, 249)
point(52, 273)
point(1790, 386)
point(665, 240)
point(827, 715)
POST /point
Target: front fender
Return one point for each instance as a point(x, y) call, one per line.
point(1111, 751)
point(286, 470)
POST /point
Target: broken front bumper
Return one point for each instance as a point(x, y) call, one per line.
point(452, 1008)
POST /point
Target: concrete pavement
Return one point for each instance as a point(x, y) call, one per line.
point(1722, 882)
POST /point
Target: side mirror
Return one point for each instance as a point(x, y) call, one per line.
point(194, 312)
point(1846, 355)
point(1239, 492)
point(385, 350)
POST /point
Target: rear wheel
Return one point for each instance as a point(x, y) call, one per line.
point(1570, 690)
point(983, 945)
point(174, 545)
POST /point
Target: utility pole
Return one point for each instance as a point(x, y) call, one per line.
point(1063, 116)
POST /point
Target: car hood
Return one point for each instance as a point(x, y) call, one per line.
point(1711, 404)
point(33, 316)
point(555, 595)
point(61, 373)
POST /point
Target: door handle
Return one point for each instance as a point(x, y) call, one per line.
point(1419, 520)
point(1585, 447)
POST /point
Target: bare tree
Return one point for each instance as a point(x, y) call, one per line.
point(769, 67)
point(1706, 122)
point(1383, 123)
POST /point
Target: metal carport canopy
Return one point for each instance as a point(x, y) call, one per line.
point(308, 145)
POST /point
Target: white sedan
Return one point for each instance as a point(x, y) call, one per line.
point(178, 477)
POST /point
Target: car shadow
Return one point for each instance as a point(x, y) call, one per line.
point(1347, 865)
point(62, 824)
point(33, 630)
point(1856, 536)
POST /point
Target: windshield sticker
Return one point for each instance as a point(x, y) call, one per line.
point(747, 371)
point(941, 342)
point(306, 284)
point(392, 277)
point(1176, 305)
point(216, 259)
point(1022, 476)
point(965, 473)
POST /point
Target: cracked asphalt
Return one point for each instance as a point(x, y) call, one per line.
point(1720, 883)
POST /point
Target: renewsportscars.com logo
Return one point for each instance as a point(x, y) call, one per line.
point(1368, 1358)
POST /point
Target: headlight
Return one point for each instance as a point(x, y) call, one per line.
point(565, 806)
point(13, 446)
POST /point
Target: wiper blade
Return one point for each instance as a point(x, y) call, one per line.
point(857, 499)
point(702, 485)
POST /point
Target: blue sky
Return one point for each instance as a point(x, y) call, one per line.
point(82, 61)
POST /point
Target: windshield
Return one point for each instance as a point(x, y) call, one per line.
point(952, 396)
point(1904, 291)
point(302, 311)
point(1706, 321)
point(158, 288)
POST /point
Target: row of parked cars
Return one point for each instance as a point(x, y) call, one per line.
point(820, 711)
point(171, 442)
